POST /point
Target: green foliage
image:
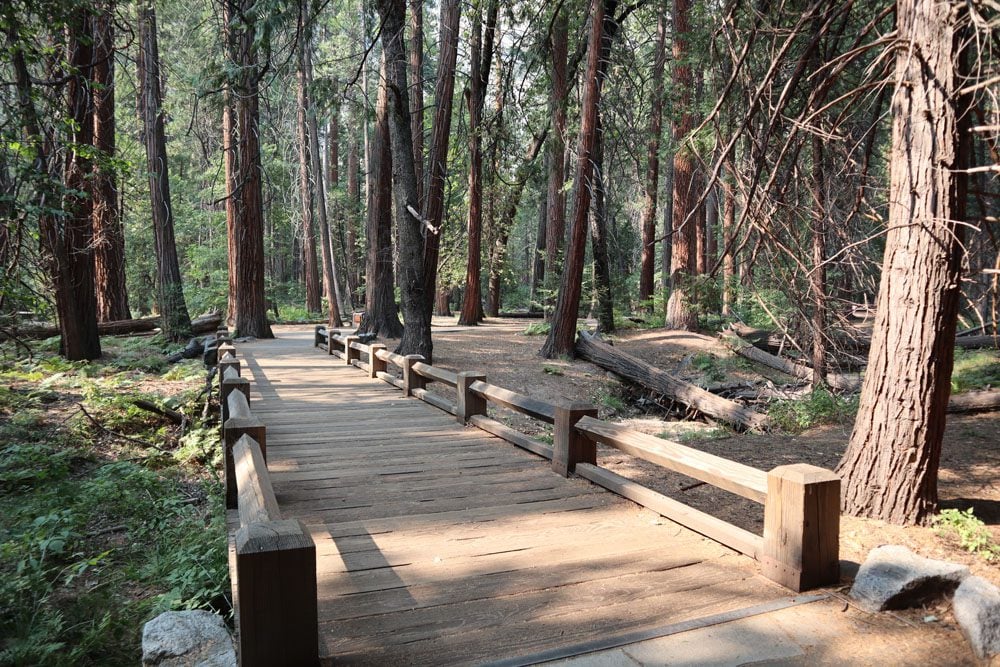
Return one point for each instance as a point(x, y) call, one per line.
point(975, 369)
point(708, 363)
point(611, 398)
point(971, 532)
point(537, 329)
point(749, 309)
point(551, 370)
point(817, 408)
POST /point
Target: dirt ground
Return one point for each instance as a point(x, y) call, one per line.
point(970, 465)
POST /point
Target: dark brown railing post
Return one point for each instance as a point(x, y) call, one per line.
point(350, 353)
point(570, 447)
point(330, 333)
point(375, 365)
point(467, 402)
point(802, 527)
point(411, 379)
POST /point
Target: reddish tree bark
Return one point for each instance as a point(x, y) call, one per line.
point(109, 237)
point(562, 334)
point(556, 219)
point(417, 92)
point(230, 168)
point(306, 190)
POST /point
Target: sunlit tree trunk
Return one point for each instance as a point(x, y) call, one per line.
point(890, 468)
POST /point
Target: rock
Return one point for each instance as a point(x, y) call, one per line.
point(977, 610)
point(187, 638)
point(893, 577)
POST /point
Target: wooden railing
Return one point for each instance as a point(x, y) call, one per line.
point(274, 564)
point(800, 545)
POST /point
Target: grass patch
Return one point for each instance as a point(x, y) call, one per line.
point(970, 531)
point(817, 408)
point(537, 329)
point(975, 369)
point(551, 370)
point(99, 533)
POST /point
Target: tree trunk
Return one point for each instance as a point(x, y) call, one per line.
point(481, 58)
point(437, 159)
point(176, 321)
point(381, 313)
point(648, 222)
point(417, 92)
point(306, 190)
point(728, 225)
point(417, 300)
point(351, 215)
point(890, 468)
point(599, 241)
point(230, 167)
point(251, 303)
point(817, 281)
point(109, 237)
point(562, 333)
point(330, 280)
point(680, 313)
point(555, 228)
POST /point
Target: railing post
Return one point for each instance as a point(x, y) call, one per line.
point(232, 430)
point(570, 447)
point(350, 353)
point(229, 385)
point(210, 354)
point(330, 333)
point(316, 337)
point(411, 379)
point(276, 584)
point(802, 527)
point(225, 347)
point(375, 365)
point(468, 403)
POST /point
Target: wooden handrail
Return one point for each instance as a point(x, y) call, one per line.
point(518, 402)
point(239, 407)
point(800, 546)
point(436, 374)
point(255, 494)
point(729, 475)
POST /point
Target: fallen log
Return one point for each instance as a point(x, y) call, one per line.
point(200, 325)
point(748, 351)
point(975, 401)
point(594, 350)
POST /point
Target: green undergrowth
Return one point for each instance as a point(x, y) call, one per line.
point(109, 518)
point(970, 532)
point(817, 408)
point(975, 369)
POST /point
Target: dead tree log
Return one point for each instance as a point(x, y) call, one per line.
point(748, 351)
point(975, 401)
point(200, 325)
point(592, 349)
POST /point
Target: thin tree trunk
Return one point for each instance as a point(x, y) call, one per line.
point(890, 468)
point(109, 237)
point(230, 168)
point(251, 302)
point(437, 159)
point(680, 313)
point(176, 321)
point(381, 313)
point(728, 225)
point(648, 222)
point(417, 299)
point(817, 281)
point(417, 92)
point(599, 241)
point(555, 228)
point(538, 266)
point(352, 213)
point(306, 190)
point(562, 333)
point(668, 224)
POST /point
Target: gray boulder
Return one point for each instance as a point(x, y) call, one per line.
point(186, 639)
point(977, 610)
point(893, 577)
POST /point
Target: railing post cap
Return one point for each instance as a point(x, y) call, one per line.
point(414, 357)
point(804, 473)
point(478, 375)
point(568, 405)
point(377, 346)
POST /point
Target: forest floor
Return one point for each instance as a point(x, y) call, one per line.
point(970, 462)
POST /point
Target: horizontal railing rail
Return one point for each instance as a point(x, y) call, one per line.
point(800, 544)
point(273, 566)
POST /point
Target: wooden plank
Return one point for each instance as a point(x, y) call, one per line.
point(511, 435)
point(437, 401)
point(732, 536)
point(255, 497)
point(436, 374)
point(717, 471)
point(514, 401)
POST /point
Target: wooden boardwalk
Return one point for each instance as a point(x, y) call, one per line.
point(441, 544)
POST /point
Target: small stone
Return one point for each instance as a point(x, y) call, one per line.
point(186, 639)
point(977, 610)
point(893, 577)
